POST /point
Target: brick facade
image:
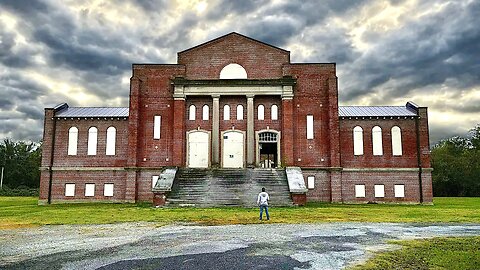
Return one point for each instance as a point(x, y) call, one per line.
point(297, 90)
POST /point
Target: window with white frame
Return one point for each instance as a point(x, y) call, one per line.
point(396, 141)
point(154, 180)
point(309, 126)
point(311, 182)
point(108, 190)
point(191, 112)
point(377, 141)
point(379, 191)
point(274, 112)
point(360, 191)
point(226, 112)
point(157, 123)
point(261, 112)
point(92, 141)
point(239, 112)
point(399, 191)
point(357, 141)
point(205, 112)
point(111, 141)
point(89, 190)
point(72, 141)
point(69, 190)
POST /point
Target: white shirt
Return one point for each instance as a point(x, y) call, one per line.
point(263, 198)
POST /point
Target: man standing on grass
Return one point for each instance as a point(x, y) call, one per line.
point(262, 201)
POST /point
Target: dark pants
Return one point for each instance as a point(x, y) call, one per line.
point(266, 211)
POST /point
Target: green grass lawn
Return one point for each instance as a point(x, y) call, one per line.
point(436, 253)
point(24, 212)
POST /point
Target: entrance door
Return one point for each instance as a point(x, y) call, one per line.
point(198, 149)
point(233, 149)
point(268, 155)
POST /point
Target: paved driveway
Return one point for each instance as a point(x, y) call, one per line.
point(263, 246)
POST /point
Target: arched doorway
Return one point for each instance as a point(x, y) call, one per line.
point(268, 149)
point(198, 149)
point(233, 149)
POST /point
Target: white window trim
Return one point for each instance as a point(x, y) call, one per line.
point(111, 141)
point(89, 190)
point(72, 141)
point(261, 112)
point(157, 123)
point(274, 112)
point(226, 112)
point(239, 112)
point(359, 191)
point(399, 191)
point(108, 192)
point(310, 127)
point(358, 141)
point(192, 110)
point(69, 190)
point(396, 141)
point(92, 141)
point(377, 144)
point(311, 182)
point(205, 112)
point(379, 191)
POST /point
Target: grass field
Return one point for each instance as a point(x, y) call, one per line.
point(436, 253)
point(18, 212)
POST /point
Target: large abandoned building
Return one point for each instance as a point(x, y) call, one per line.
point(232, 116)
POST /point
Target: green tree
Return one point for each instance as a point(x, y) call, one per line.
point(456, 164)
point(21, 162)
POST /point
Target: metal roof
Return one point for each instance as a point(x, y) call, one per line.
point(93, 112)
point(349, 111)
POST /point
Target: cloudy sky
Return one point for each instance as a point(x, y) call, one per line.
point(387, 52)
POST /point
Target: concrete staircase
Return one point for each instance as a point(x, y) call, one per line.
point(228, 187)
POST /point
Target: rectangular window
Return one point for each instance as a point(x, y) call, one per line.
point(309, 126)
point(154, 180)
point(360, 191)
point(311, 182)
point(108, 190)
point(89, 190)
point(399, 191)
point(69, 190)
point(156, 126)
point(379, 191)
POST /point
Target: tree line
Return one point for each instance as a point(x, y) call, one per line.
point(455, 162)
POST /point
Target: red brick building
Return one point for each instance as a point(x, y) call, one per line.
point(235, 102)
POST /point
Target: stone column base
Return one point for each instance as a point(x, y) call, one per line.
point(159, 199)
point(299, 199)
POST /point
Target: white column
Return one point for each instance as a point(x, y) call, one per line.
point(250, 131)
point(215, 130)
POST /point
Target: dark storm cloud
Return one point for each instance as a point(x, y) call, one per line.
point(26, 8)
point(31, 111)
point(423, 52)
point(18, 87)
point(6, 104)
point(10, 57)
point(151, 5)
point(229, 7)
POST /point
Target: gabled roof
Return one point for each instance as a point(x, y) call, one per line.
point(92, 112)
point(349, 111)
point(232, 34)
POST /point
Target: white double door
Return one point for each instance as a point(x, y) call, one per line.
point(198, 149)
point(233, 149)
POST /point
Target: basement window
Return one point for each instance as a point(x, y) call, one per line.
point(69, 190)
point(360, 191)
point(311, 182)
point(89, 190)
point(379, 191)
point(108, 190)
point(399, 191)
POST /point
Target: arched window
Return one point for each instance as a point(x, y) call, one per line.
point(226, 112)
point(191, 112)
point(261, 112)
point(274, 112)
point(396, 141)
point(377, 141)
point(111, 140)
point(205, 112)
point(239, 112)
point(72, 141)
point(92, 141)
point(357, 141)
point(233, 71)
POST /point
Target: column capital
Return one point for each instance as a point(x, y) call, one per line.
point(215, 96)
point(250, 95)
